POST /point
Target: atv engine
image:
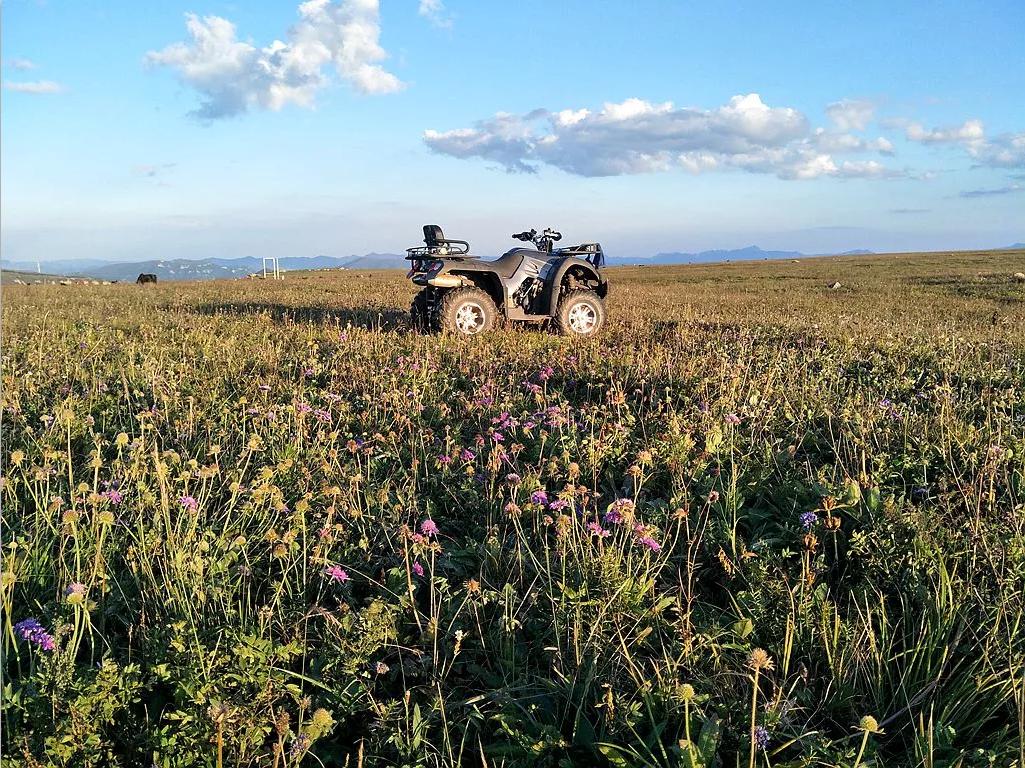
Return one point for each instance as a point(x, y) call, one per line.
point(527, 292)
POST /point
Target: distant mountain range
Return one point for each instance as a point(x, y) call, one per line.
point(217, 268)
point(209, 269)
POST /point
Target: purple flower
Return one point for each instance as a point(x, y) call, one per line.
point(807, 520)
point(322, 415)
point(761, 737)
point(75, 592)
point(113, 496)
point(444, 458)
point(498, 437)
point(300, 744)
point(467, 455)
point(546, 373)
point(558, 504)
point(33, 632)
point(189, 503)
point(732, 418)
point(428, 528)
point(336, 573)
point(539, 497)
point(513, 479)
point(418, 569)
point(650, 543)
point(597, 530)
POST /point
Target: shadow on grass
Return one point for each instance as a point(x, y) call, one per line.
point(377, 318)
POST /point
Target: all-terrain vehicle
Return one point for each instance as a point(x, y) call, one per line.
point(464, 294)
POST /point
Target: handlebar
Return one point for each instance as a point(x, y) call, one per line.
point(542, 242)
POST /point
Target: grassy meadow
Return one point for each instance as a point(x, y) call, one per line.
point(756, 522)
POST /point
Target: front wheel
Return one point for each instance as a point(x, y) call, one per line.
point(580, 313)
point(467, 311)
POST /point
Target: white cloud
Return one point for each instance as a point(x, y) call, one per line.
point(637, 136)
point(851, 114)
point(35, 87)
point(22, 65)
point(1005, 150)
point(970, 131)
point(435, 12)
point(233, 76)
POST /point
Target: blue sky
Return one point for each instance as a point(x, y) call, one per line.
point(157, 130)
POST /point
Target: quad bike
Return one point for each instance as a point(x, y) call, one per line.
point(462, 294)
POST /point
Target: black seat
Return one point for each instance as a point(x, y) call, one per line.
point(507, 264)
point(435, 238)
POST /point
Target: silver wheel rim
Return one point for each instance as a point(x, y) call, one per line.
point(582, 318)
point(470, 317)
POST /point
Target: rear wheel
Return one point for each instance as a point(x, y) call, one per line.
point(467, 311)
point(420, 314)
point(580, 313)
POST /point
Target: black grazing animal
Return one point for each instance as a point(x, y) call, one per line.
point(145, 277)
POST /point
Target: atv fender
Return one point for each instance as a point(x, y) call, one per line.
point(561, 268)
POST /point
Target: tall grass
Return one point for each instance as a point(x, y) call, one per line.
point(756, 522)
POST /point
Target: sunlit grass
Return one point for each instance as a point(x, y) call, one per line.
point(757, 521)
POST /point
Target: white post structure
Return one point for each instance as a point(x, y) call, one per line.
point(275, 269)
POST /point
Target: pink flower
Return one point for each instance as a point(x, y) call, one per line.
point(335, 573)
point(418, 569)
point(428, 528)
point(467, 455)
point(650, 543)
point(597, 530)
point(189, 503)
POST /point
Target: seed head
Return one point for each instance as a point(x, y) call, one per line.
point(759, 660)
point(869, 724)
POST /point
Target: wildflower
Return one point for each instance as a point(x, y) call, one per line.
point(512, 509)
point(620, 510)
point(429, 528)
point(113, 496)
point(381, 668)
point(467, 455)
point(105, 517)
point(869, 724)
point(597, 530)
point(761, 736)
point(650, 543)
point(759, 660)
point(498, 437)
point(731, 418)
point(300, 744)
point(75, 593)
point(558, 504)
point(546, 373)
point(513, 479)
point(539, 497)
point(33, 632)
point(473, 586)
point(687, 692)
point(444, 459)
point(807, 520)
point(418, 569)
point(336, 573)
point(713, 496)
point(189, 503)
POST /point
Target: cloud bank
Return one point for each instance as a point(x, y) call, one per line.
point(233, 76)
point(637, 136)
